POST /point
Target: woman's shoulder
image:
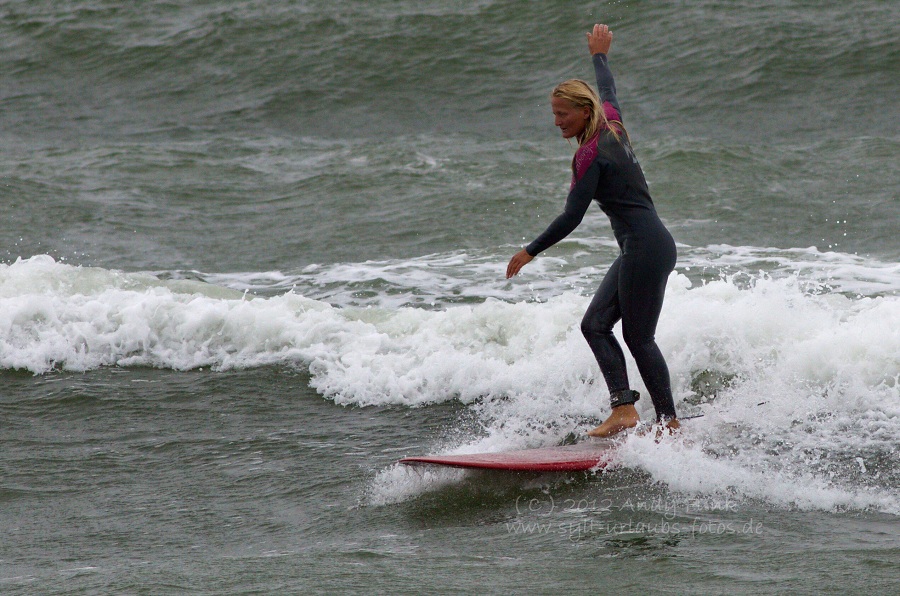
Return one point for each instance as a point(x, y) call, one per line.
point(611, 112)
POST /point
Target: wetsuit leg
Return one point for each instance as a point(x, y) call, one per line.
point(642, 286)
point(597, 326)
point(633, 292)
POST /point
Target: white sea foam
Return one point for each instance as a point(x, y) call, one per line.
point(445, 279)
point(831, 271)
point(800, 386)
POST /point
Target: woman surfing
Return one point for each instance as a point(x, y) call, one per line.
point(606, 170)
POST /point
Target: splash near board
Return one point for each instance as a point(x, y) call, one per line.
point(592, 454)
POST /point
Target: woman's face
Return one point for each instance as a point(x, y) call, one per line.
point(570, 119)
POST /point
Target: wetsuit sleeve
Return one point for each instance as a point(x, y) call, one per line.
point(605, 83)
point(577, 202)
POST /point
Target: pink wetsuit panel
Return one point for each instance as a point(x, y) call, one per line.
point(587, 152)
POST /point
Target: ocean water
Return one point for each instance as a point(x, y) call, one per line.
point(253, 254)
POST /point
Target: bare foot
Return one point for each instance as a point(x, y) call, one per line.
point(622, 417)
point(667, 429)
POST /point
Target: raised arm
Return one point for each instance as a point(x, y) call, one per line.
point(599, 42)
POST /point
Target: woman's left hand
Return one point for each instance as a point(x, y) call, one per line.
point(519, 260)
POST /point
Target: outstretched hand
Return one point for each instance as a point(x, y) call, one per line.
point(599, 40)
point(519, 260)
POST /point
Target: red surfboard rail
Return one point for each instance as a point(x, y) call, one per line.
point(592, 454)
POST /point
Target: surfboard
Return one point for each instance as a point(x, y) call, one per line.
point(590, 454)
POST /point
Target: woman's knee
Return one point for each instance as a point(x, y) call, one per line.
point(638, 342)
point(591, 326)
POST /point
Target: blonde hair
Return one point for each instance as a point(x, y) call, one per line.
point(582, 95)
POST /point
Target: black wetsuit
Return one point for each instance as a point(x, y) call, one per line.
point(606, 170)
